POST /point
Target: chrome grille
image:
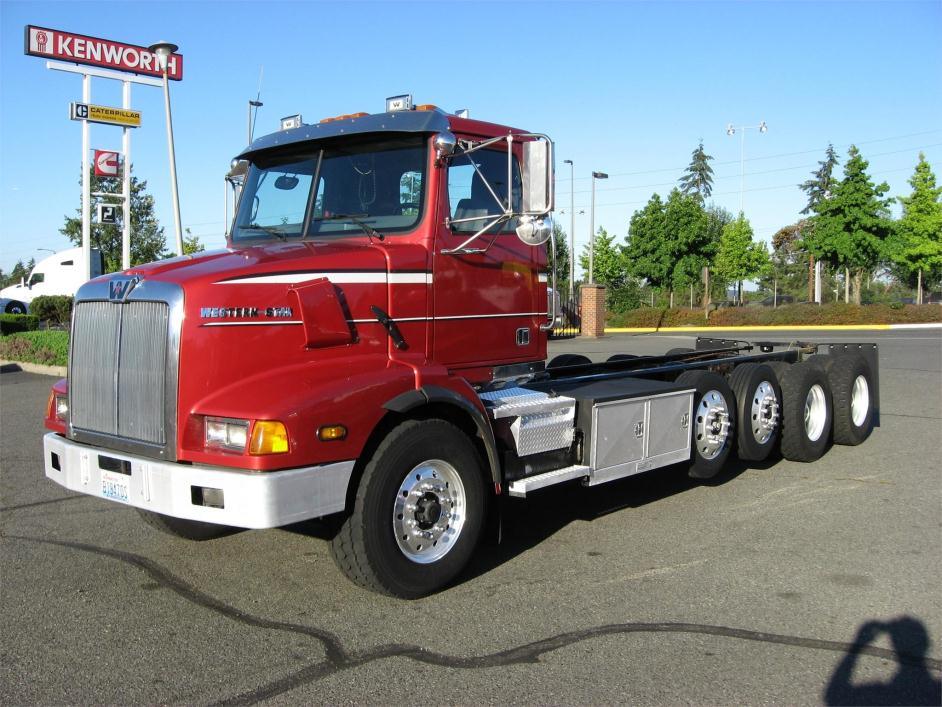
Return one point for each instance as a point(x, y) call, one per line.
point(118, 369)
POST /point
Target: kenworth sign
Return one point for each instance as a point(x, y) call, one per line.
point(82, 49)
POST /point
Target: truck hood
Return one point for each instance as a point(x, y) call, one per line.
point(256, 262)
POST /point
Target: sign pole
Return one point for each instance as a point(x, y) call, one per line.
point(126, 184)
point(86, 185)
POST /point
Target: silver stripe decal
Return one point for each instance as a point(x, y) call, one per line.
point(338, 278)
point(287, 321)
point(458, 316)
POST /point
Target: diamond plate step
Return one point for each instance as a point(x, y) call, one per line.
point(521, 487)
point(513, 402)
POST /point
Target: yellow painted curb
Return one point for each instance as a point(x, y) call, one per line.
point(769, 327)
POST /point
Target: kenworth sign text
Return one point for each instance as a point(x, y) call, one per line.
point(82, 49)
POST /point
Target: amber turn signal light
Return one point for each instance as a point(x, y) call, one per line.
point(331, 433)
point(268, 437)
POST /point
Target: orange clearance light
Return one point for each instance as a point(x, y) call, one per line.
point(427, 106)
point(268, 437)
point(331, 433)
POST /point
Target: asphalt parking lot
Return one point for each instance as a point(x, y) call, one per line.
point(773, 583)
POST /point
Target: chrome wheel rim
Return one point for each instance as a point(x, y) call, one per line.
point(816, 413)
point(429, 511)
point(860, 401)
point(712, 425)
point(764, 413)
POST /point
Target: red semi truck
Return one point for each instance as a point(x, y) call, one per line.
point(370, 346)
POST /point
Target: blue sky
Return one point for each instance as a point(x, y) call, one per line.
point(625, 88)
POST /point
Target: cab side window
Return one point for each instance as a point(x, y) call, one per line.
point(471, 202)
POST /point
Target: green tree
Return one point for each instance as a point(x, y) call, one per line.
point(19, 272)
point(622, 291)
point(851, 227)
point(698, 179)
point(647, 249)
point(917, 244)
point(191, 243)
point(788, 262)
point(739, 257)
point(689, 244)
point(562, 259)
point(147, 236)
point(822, 180)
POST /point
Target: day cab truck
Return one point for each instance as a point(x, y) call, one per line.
point(371, 346)
point(58, 274)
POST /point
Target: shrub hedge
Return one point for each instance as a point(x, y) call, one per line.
point(50, 348)
point(13, 323)
point(55, 309)
point(787, 315)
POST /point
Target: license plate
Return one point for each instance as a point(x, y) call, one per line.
point(115, 486)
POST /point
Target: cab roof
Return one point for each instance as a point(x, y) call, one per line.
point(406, 121)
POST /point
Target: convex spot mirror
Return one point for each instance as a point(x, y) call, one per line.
point(286, 183)
point(534, 231)
point(445, 145)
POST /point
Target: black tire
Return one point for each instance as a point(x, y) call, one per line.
point(843, 376)
point(780, 368)
point(183, 528)
point(712, 435)
point(679, 350)
point(824, 361)
point(569, 360)
point(758, 409)
point(621, 357)
point(367, 547)
point(803, 442)
point(15, 307)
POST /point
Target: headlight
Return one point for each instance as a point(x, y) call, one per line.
point(226, 433)
point(62, 407)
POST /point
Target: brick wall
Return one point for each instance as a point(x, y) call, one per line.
point(593, 310)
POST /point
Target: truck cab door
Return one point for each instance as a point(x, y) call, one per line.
point(488, 302)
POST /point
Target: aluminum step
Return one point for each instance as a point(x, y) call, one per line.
point(521, 487)
point(514, 402)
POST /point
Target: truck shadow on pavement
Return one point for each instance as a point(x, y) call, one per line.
point(911, 685)
point(526, 523)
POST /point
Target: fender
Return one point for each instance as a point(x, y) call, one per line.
point(436, 394)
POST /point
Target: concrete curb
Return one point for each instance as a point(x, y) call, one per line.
point(796, 327)
point(13, 366)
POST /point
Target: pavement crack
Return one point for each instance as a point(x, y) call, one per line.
point(338, 659)
point(20, 506)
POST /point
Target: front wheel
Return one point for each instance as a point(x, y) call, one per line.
point(418, 512)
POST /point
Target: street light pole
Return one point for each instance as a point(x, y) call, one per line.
point(731, 130)
point(595, 175)
point(163, 50)
point(572, 229)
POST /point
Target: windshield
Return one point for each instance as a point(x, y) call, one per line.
point(335, 191)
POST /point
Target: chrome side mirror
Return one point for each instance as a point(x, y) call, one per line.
point(445, 145)
point(534, 231)
point(537, 177)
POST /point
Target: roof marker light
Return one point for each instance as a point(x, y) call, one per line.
point(291, 121)
point(396, 103)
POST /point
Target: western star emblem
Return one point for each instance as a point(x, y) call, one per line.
point(241, 312)
point(118, 289)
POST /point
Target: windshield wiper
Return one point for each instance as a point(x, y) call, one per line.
point(355, 218)
point(268, 229)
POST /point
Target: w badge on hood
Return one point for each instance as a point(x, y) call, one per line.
point(120, 288)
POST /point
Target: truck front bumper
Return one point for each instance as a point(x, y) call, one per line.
point(244, 499)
